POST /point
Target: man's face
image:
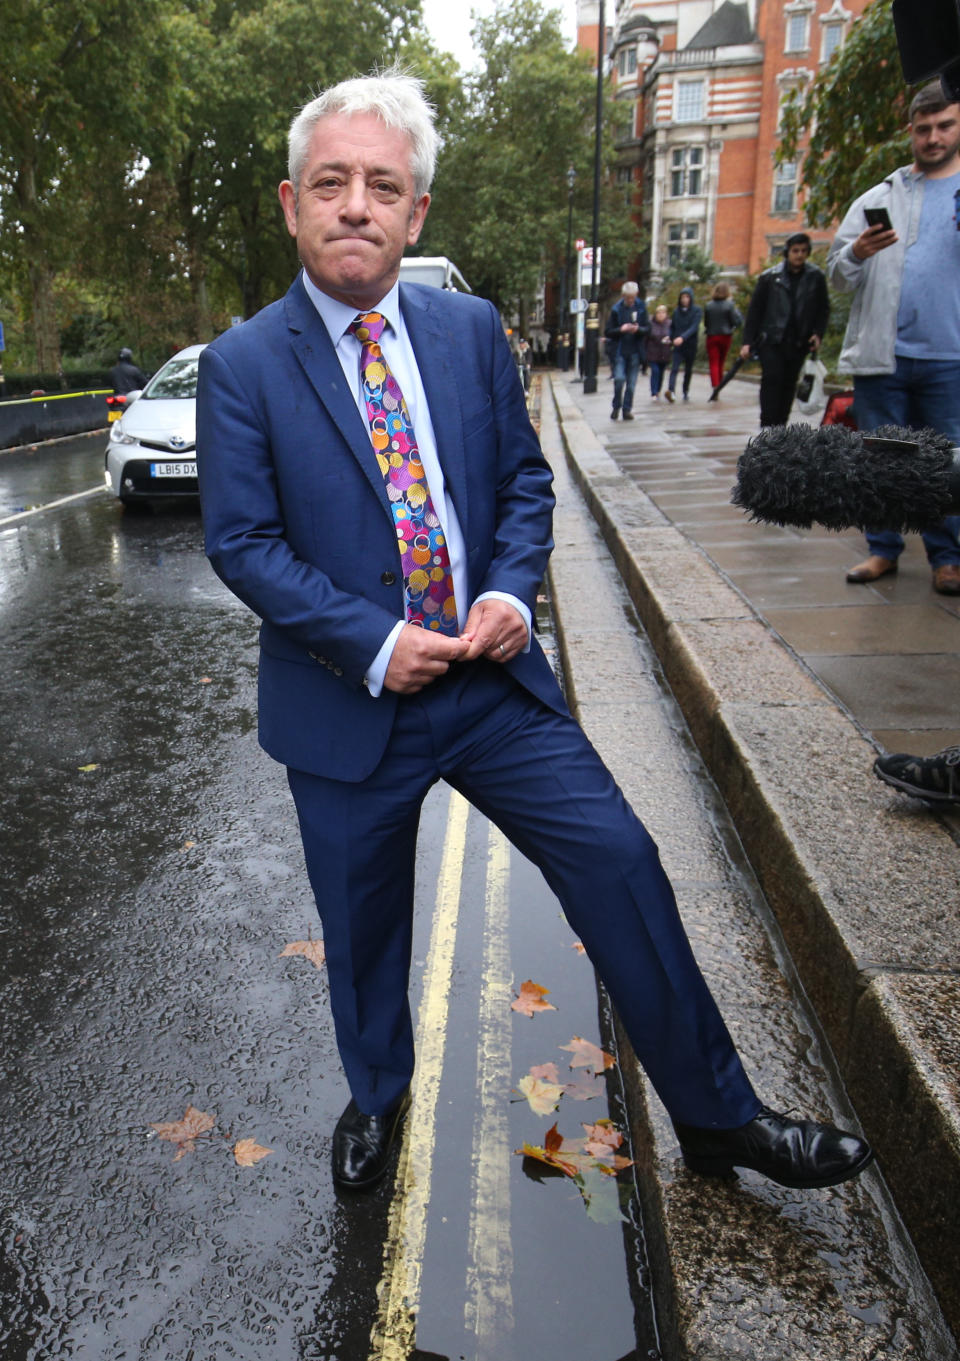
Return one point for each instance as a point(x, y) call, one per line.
point(935, 137)
point(356, 210)
point(797, 256)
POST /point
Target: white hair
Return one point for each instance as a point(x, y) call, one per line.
point(394, 97)
point(630, 287)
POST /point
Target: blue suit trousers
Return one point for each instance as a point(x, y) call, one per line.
point(533, 772)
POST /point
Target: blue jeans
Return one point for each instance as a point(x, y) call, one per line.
point(921, 392)
point(624, 381)
point(656, 377)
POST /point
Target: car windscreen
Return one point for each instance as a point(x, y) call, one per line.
point(176, 379)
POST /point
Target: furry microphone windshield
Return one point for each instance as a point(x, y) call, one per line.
point(829, 475)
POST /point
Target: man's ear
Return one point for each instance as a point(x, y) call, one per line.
point(288, 202)
point(416, 219)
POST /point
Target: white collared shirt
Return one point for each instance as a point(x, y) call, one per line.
point(398, 352)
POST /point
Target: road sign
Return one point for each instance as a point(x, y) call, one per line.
point(578, 305)
point(586, 264)
point(2, 344)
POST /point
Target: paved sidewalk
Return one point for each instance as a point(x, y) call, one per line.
point(790, 679)
point(888, 652)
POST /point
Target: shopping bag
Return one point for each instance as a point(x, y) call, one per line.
point(811, 394)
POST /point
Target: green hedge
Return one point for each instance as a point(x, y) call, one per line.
point(75, 380)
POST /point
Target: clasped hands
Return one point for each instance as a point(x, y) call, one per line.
point(493, 629)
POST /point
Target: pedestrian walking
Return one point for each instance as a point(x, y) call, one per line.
point(684, 333)
point(626, 329)
point(786, 319)
point(898, 252)
point(659, 349)
point(721, 317)
point(372, 487)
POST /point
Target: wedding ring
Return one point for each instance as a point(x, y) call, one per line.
point(502, 652)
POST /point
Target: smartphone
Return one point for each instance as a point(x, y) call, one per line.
point(878, 217)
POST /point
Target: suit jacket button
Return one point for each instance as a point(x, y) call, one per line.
point(388, 578)
point(338, 670)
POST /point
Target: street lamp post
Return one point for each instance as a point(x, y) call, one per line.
point(563, 323)
point(592, 338)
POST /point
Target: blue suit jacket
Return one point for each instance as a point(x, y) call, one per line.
point(298, 524)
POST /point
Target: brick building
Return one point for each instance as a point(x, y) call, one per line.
point(706, 80)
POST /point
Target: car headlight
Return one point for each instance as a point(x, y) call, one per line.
point(119, 436)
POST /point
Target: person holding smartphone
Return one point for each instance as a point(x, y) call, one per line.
point(898, 252)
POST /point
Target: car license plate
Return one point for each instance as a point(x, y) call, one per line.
point(182, 469)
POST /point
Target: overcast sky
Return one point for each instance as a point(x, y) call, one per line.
point(450, 21)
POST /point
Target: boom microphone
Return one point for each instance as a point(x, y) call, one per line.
point(842, 479)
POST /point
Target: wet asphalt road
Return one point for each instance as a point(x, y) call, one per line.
point(151, 876)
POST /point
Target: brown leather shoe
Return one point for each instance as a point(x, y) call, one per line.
point(872, 568)
point(946, 579)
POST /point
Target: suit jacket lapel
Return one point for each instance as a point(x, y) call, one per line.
point(316, 354)
point(434, 345)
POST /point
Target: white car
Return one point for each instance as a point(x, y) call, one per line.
point(152, 449)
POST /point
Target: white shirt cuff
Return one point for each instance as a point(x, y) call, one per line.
point(377, 670)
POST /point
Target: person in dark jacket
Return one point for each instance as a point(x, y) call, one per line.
point(684, 331)
point(658, 349)
point(786, 319)
point(626, 327)
point(125, 376)
point(721, 317)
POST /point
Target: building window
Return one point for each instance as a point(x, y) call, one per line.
point(686, 172)
point(798, 26)
point(680, 237)
point(787, 96)
point(785, 189)
point(627, 62)
point(830, 40)
point(689, 101)
point(695, 173)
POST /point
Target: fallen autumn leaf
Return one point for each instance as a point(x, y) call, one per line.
point(584, 1087)
point(530, 999)
point(184, 1132)
point(587, 1055)
point(542, 1096)
point(310, 949)
point(247, 1152)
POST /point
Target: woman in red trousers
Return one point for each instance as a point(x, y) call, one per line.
point(721, 318)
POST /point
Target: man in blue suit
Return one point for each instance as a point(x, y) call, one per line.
point(373, 489)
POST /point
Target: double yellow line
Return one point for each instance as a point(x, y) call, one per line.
point(488, 1299)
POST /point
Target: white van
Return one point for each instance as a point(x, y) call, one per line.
point(433, 269)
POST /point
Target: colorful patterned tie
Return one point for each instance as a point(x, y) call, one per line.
point(427, 578)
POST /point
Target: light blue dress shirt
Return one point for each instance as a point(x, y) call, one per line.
point(398, 352)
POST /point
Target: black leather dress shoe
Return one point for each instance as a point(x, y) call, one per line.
point(798, 1153)
point(362, 1144)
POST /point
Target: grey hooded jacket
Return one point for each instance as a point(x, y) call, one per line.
point(871, 335)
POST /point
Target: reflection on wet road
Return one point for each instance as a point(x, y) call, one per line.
point(152, 875)
point(39, 474)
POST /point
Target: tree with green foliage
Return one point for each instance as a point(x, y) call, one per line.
point(501, 195)
point(79, 83)
point(855, 113)
point(696, 266)
point(247, 67)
